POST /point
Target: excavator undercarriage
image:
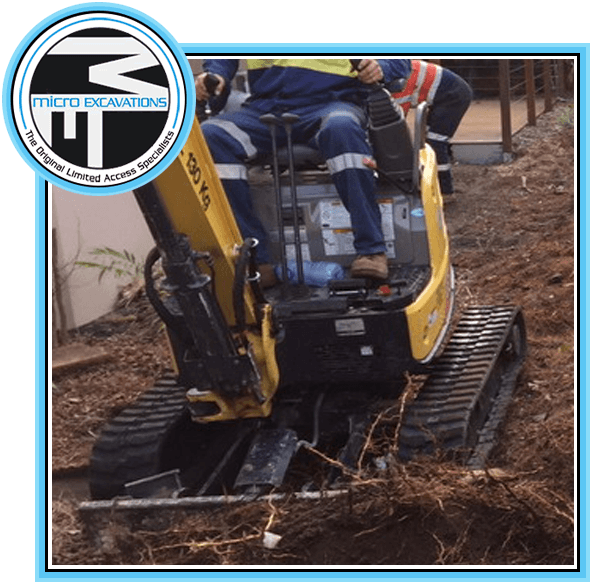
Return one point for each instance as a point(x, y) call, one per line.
point(154, 454)
point(279, 390)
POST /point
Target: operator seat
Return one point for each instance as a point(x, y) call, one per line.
point(306, 158)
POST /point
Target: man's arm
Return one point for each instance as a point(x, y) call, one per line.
point(395, 68)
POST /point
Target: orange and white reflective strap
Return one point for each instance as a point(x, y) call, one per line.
point(421, 85)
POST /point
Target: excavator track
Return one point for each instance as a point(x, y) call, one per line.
point(131, 445)
point(463, 402)
point(458, 410)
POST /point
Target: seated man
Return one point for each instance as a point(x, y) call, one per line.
point(328, 96)
point(449, 97)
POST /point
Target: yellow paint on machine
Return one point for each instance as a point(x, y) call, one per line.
point(262, 348)
point(428, 315)
point(198, 207)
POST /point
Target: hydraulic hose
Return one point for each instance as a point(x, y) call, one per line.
point(153, 295)
point(241, 269)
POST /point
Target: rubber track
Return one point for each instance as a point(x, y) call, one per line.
point(464, 400)
point(129, 446)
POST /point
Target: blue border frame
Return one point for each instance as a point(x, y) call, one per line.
point(188, 80)
point(446, 575)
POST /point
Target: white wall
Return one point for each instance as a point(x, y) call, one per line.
point(85, 222)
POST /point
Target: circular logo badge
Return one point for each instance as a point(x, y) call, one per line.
point(99, 99)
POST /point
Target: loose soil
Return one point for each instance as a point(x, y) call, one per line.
point(512, 235)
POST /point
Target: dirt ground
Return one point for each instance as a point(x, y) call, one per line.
point(512, 234)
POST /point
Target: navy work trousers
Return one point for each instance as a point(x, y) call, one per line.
point(336, 129)
point(452, 99)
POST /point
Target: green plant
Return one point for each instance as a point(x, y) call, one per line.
point(567, 117)
point(120, 264)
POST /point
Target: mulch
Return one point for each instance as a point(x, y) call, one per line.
point(512, 234)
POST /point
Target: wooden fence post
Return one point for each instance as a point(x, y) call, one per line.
point(505, 103)
point(548, 84)
point(561, 68)
point(530, 91)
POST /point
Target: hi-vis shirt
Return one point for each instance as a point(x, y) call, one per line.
point(287, 83)
point(421, 85)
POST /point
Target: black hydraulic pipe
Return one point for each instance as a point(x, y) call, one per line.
point(185, 277)
point(241, 269)
point(272, 122)
point(203, 317)
point(153, 295)
point(288, 121)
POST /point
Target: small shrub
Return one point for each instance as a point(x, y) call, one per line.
point(120, 264)
point(567, 116)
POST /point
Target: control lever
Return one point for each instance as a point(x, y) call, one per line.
point(203, 111)
point(288, 122)
point(355, 63)
point(395, 86)
point(389, 136)
point(272, 122)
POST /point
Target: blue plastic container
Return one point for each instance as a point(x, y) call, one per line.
point(315, 274)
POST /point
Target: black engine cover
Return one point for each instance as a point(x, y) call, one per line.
point(357, 346)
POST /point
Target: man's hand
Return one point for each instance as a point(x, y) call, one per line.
point(202, 94)
point(370, 71)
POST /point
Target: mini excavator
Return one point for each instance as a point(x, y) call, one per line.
point(262, 378)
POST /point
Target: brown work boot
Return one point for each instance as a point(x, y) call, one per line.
point(267, 276)
point(370, 266)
